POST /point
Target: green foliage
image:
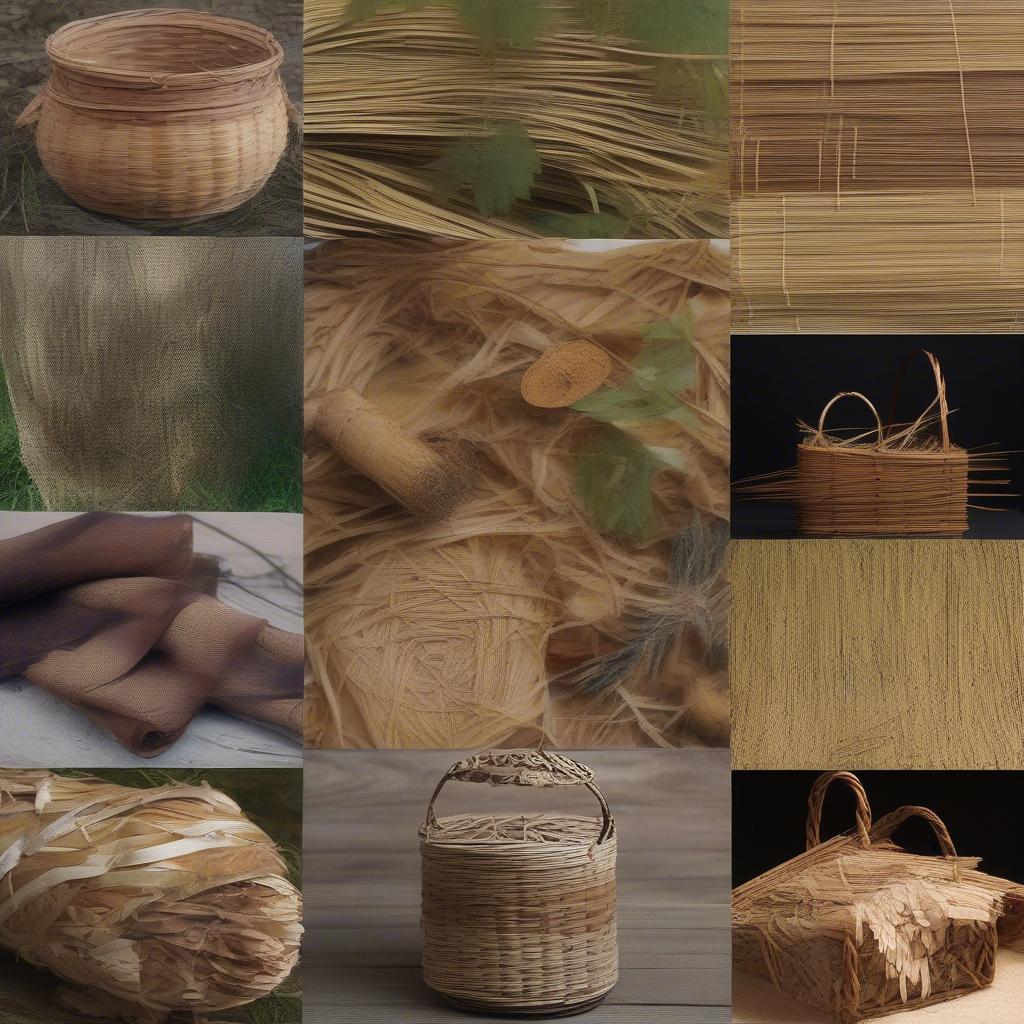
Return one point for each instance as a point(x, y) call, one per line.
point(515, 23)
point(584, 225)
point(613, 483)
point(499, 168)
point(679, 26)
point(17, 491)
point(663, 368)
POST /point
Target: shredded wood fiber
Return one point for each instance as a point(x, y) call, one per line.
point(877, 165)
point(514, 620)
point(146, 902)
point(859, 928)
point(878, 653)
point(386, 95)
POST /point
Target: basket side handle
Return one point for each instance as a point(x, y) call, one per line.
point(940, 391)
point(887, 825)
point(32, 112)
point(848, 394)
point(294, 114)
point(607, 821)
point(816, 801)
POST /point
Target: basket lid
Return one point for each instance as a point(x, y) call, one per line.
point(522, 768)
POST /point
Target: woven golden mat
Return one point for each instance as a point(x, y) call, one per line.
point(755, 1002)
point(877, 654)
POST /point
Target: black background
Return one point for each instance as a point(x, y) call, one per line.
point(778, 380)
point(980, 809)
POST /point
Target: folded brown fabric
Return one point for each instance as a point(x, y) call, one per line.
point(106, 612)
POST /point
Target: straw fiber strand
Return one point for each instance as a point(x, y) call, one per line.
point(475, 630)
point(145, 371)
point(877, 165)
point(147, 902)
point(519, 910)
point(384, 96)
point(860, 929)
point(161, 115)
point(877, 653)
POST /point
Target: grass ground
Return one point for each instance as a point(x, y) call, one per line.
point(17, 491)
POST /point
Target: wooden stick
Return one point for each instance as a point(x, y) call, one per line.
point(412, 472)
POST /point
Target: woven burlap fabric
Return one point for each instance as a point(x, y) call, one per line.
point(756, 1002)
point(104, 611)
point(145, 371)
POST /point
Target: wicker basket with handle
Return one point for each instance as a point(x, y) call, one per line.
point(519, 910)
point(859, 928)
point(161, 115)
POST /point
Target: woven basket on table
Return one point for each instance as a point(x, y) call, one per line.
point(893, 485)
point(160, 114)
point(858, 928)
point(519, 910)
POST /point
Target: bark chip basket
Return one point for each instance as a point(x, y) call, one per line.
point(895, 483)
point(858, 928)
point(519, 909)
point(160, 114)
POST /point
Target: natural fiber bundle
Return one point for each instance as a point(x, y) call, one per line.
point(147, 902)
point(526, 613)
point(614, 136)
point(150, 373)
point(859, 928)
point(897, 479)
point(107, 612)
point(519, 910)
point(877, 156)
point(873, 652)
point(161, 115)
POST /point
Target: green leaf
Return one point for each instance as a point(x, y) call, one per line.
point(679, 26)
point(499, 168)
point(624, 405)
point(584, 225)
point(613, 483)
point(515, 23)
point(666, 361)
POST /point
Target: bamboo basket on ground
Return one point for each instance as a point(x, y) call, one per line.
point(148, 902)
point(519, 910)
point(161, 115)
point(897, 479)
point(859, 928)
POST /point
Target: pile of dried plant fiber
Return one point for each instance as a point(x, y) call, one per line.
point(514, 620)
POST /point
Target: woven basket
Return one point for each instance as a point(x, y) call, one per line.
point(519, 910)
point(161, 115)
point(858, 928)
point(890, 486)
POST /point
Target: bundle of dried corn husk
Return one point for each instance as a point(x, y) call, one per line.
point(620, 133)
point(146, 901)
point(859, 928)
point(516, 619)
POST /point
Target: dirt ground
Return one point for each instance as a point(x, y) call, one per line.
point(32, 204)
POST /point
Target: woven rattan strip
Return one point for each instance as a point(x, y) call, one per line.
point(519, 909)
point(161, 114)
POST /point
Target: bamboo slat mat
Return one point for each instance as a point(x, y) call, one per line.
point(858, 654)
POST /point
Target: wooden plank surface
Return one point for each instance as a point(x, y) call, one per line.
point(361, 872)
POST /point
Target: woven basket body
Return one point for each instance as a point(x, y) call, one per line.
point(858, 928)
point(884, 488)
point(161, 115)
point(519, 910)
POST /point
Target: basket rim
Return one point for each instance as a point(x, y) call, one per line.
point(154, 17)
point(954, 454)
point(431, 835)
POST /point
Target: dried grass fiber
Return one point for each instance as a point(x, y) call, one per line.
point(461, 633)
point(144, 371)
point(877, 653)
point(859, 928)
point(147, 902)
point(384, 96)
point(877, 165)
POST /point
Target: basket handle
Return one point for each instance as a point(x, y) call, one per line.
point(32, 112)
point(293, 112)
point(887, 825)
point(526, 768)
point(816, 801)
point(848, 394)
point(940, 390)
